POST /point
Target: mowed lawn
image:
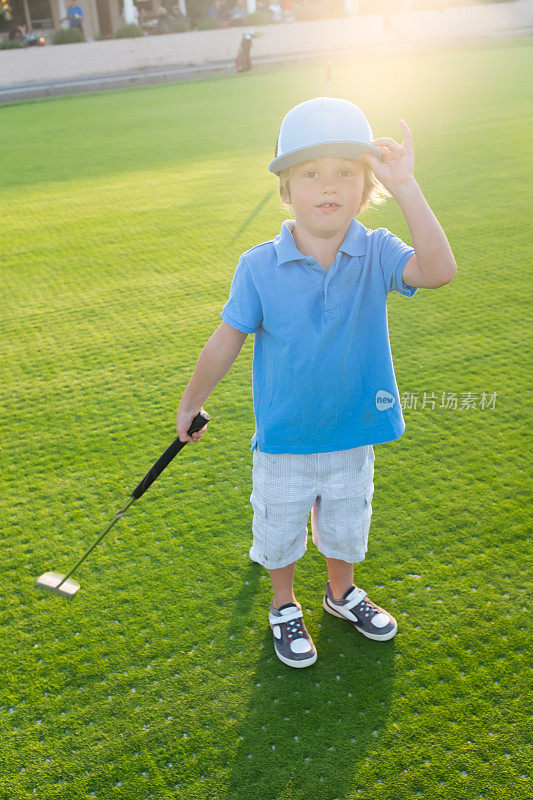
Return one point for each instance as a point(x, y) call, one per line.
point(159, 679)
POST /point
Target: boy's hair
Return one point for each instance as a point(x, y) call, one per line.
point(374, 193)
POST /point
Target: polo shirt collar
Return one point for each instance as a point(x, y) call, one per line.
point(354, 243)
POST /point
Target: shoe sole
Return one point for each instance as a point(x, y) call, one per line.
point(297, 664)
point(379, 638)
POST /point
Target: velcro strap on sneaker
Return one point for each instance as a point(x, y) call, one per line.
point(353, 601)
point(285, 617)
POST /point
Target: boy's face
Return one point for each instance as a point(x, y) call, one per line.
point(326, 194)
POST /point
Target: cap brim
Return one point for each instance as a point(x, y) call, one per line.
point(339, 149)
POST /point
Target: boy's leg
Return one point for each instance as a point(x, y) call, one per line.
point(282, 582)
point(340, 576)
point(292, 643)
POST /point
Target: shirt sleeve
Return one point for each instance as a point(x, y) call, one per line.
point(394, 254)
point(243, 309)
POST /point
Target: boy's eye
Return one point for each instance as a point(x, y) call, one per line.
point(345, 173)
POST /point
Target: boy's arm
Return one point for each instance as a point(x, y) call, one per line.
point(433, 264)
point(216, 359)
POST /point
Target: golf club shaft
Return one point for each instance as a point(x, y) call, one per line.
point(120, 513)
point(163, 461)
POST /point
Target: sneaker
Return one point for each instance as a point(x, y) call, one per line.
point(292, 643)
point(366, 617)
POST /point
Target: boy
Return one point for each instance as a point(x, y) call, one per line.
point(324, 387)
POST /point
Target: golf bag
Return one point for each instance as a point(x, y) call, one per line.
point(243, 62)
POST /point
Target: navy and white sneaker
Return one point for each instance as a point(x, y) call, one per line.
point(292, 643)
point(366, 617)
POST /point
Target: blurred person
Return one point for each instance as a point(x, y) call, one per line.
point(135, 15)
point(223, 16)
point(238, 11)
point(287, 7)
point(178, 14)
point(213, 11)
point(74, 16)
point(17, 32)
point(162, 20)
point(275, 11)
point(195, 9)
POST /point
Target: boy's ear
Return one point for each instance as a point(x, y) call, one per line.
point(285, 196)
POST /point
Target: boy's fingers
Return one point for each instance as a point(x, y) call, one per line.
point(387, 141)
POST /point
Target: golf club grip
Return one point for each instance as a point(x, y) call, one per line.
point(197, 424)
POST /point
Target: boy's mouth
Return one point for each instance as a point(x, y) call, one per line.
point(328, 208)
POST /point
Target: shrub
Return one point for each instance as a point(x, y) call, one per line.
point(68, 36)
point(208, 24)
point(11, 45)
point(130, 31)
point(259, 18)
point(179, 25)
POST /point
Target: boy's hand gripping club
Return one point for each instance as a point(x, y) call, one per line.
point(62, 584)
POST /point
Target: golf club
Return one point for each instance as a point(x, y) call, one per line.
point(63, 584)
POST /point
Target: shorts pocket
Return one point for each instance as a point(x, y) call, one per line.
point(258, 506)
point(369, 494)
point(258, 551)
point(367, 515)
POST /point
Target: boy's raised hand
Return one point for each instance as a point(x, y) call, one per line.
point(396, 168)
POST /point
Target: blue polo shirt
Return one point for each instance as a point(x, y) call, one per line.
point(323, 377)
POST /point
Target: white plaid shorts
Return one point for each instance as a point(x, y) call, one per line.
point(336, 488)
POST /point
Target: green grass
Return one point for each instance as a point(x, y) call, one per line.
point(159, 678)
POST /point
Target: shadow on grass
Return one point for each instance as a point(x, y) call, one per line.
point(306, 730)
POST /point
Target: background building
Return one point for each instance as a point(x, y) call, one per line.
point(100, 16)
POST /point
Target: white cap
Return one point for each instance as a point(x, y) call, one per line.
point(323, 126)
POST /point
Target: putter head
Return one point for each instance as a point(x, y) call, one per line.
point(51, 581)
